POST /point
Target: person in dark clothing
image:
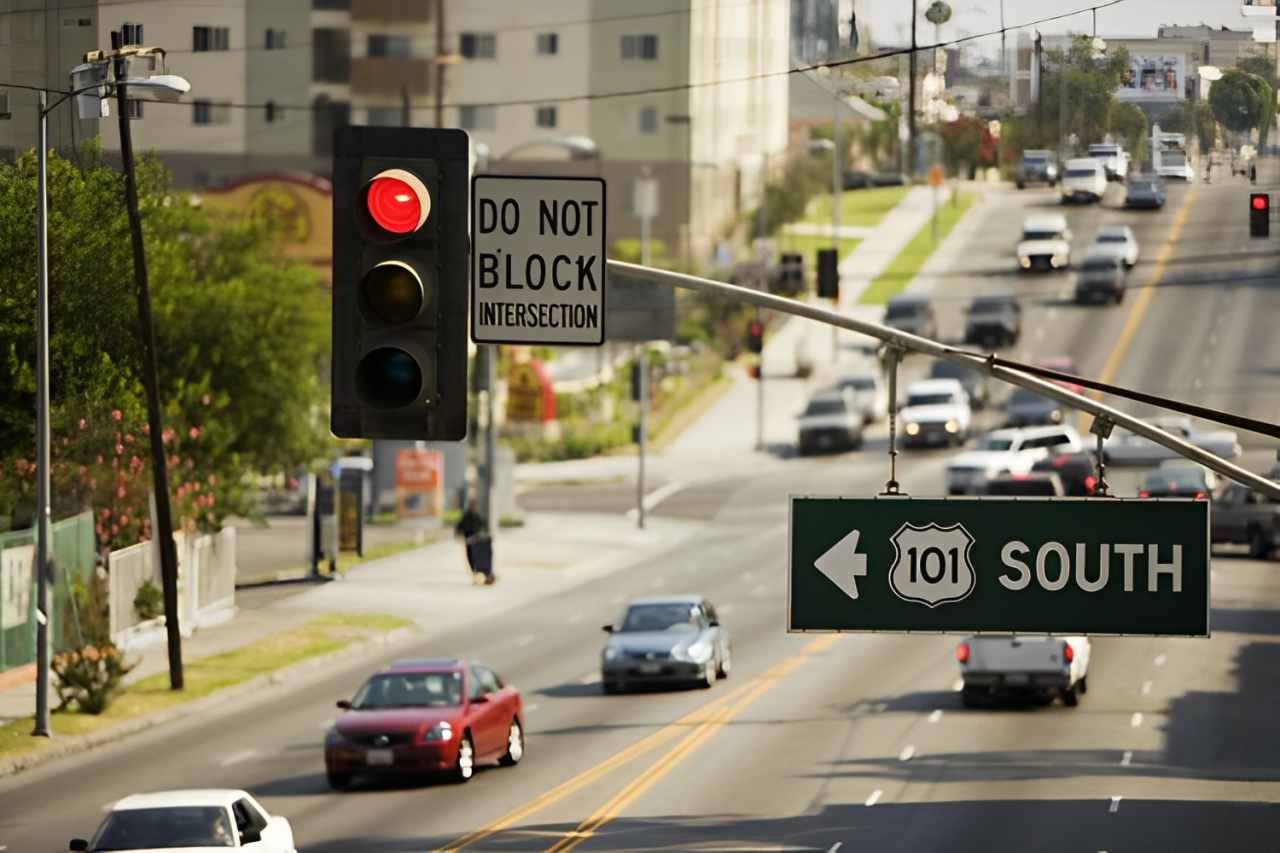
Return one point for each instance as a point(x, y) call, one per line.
point(475, 532)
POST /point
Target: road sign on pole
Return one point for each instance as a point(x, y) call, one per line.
point(538, 261)
point(1030, 566)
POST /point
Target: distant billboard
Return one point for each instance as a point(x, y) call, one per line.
point(1153, 78)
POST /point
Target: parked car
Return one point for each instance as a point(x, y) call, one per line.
point(1077, 471)
point(1113, 158)
point(434, 715)
point(1045, 244)
point(1116, 240)
point(992, 665)
point(974, 381)
point(1126, 448)
point(1040, 484)
point(1036, 167)
point(831, 421)
point(1102, 278)
point(911, 313)
point(1027, 408)
point(937, 412)
point(1177, 478)
point(1145, 191)
point(1085, 180)
point(1006, 451)
point(672, 639)
point(993, 321)
point(1241, 515)
point(208, 819)
point(869, 395)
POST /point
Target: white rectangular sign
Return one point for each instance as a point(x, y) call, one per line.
point(537, 260)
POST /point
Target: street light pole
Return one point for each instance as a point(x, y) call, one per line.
point(151, 384)
point(43, 479)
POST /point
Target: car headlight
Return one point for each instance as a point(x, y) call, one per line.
point(333, 737)
point(439, 733)
point(1056, 417)
point(1026, 262)
point(951, 427)
point(612, 653)
point(912, 429)
point(697, 651)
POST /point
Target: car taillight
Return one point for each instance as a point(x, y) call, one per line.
point(1069, 653)
point(1089, 482)
point(1199, 496)
point(962, 652)
point(1144, 494)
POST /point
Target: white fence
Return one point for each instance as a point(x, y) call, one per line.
point(206, 586)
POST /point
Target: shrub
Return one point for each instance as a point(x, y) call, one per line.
point(148, 603)
point(89, 677)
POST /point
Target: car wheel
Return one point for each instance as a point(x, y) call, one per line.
point(726, 662)
point(338, 781)
point(515, 745)
point(1257, 544)
point(1070, 698)
point(464, 766)
point(708, 674)
point(1022, 186)
point(968, 697)
point(1083, 686)
point(610, 687)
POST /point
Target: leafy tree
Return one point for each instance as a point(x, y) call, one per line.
point(1091, 83)
point(1260, 66)
point(1237, 101)
point(1130, 124)
point(1192, 117)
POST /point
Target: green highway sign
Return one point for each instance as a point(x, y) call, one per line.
point(1025, 565)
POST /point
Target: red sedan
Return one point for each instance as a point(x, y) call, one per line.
point(426, 716)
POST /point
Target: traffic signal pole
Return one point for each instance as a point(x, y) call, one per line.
point(43, 480)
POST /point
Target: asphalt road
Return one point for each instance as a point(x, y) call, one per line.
point(818, 741)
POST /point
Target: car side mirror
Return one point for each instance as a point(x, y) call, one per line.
point(482, 699)
point(77, 845)
point(608, 629)
point(250, 835)
point(714, 623)
point(344, 704)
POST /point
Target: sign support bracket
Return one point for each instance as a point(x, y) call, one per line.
point(893, 357)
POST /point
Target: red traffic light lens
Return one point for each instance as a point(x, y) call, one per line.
point(753, 329)
point(397, 202)
point(1261, 202)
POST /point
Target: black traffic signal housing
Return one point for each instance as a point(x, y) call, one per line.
point(828, 274)
point(400, 274)
point(755, 336)
point(1259, 214)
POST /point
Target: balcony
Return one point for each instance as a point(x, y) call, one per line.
point(390, 76)
point(392, 11)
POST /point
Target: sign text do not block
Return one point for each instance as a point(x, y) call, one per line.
point(1034, 566)
point(538, 262)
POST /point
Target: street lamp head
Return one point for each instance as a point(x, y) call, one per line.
point(579, 147)
point(165, 88)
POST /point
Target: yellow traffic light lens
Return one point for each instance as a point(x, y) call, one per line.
point(395, 202)
point(394, 291)
point(389, 377)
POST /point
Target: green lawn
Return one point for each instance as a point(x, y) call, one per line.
point(909, 261)
point(858, 207)
point(809, 244)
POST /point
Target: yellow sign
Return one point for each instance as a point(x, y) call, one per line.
point(935, 176)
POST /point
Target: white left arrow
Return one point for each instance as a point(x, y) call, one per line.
point(843, 565)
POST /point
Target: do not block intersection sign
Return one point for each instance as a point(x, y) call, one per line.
point(1033, 566)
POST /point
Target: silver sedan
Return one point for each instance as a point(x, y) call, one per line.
point(675, 639)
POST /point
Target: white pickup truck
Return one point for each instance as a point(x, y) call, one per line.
point(1043, 667)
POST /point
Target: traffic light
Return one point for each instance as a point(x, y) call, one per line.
point(828, 274)
point(755, 336)
point(1259, 214)
point(400, 268)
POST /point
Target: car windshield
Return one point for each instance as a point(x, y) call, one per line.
point(903, 309)
point(659, 617)
point(1080, 173)
point(1023, 396)
point(1030, 234)
point(1176, 479)
point(860, 383)
point(991, 442)
point(1112, 238)
point(410, 690)
point(165, 828)
point(1099, 265)
point(989, 306)
point(928, 399)
point(826, 406)
point(1141, 187)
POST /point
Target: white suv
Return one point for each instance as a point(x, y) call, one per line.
point(1006, 451)
point(937, 412)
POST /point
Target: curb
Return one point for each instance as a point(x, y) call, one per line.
point(75, 744)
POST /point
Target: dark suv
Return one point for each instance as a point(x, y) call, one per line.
point(912, 314)
point(993, 321)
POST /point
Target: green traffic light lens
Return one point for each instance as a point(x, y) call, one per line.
point(389, 377)
point(394, 291)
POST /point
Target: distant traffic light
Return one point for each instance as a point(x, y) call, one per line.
point(400, 266)
point(828, 274)
point(1259, 214)
point(755, 336)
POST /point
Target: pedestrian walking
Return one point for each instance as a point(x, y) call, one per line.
point(474, 531)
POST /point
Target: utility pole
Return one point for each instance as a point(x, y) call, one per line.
point(911, 108)
point(150, 382)
point(44, 575)
point(1004, 53)
point(406, 110)
point(440, 55)
point(642, 441)
point(837, 200)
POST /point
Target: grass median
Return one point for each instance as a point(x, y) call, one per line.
point(326, 633)
point(864, 207)
point(909, 261)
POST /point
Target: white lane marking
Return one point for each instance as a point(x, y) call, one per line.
point(1128, 756)
point(1160, 659)
point(935, 716)
point(325, 725)
point(958, 685)
point(832, 849)
point(1146, 687)
point(590, 678)
point(1115, 804)
point(657, 582)
point(657, 496)
point(575, 618)
point(1136, 720)
point(875, 797)
point(906, 753)
point(521, 642)
point(237, 757)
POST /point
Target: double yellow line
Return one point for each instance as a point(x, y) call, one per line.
point(698, 726)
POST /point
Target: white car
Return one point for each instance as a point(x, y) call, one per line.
point(1113, 158)
point(1046, 243)
point(1085, 180)
point(1126, 448)
point(1118, 241)
point(992, 665)
point(831, 421)
point(869, 395)
point(215, 818)
point(937, 412)
point(1007, 451)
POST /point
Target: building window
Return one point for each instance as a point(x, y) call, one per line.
point(478, 118)
point(383, 46)
point(331, 55)
point(384, 116)
point(205, 111)
point(210, 38)
point(273, 112)
point(640, 120)
point(639, 47)
point(546, 117)
point(548, 44)
point(331, 4)
point(275, 39)
point(479, 45)
point(131, 35)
